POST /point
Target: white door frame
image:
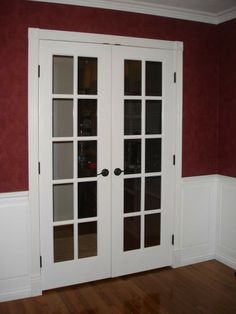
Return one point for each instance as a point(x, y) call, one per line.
point(34, 37)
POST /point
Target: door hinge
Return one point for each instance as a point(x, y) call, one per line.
point(173, 239)
point(174, 77)
point(174, 160)
point(41, 261)
point(39, 168)
point(38, 70)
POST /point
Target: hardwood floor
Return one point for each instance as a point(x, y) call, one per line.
point(208, 287)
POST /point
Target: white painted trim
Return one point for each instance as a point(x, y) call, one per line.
point(227, 15)
point(35, 35)
point(226, 260)
point(44, 34)
point(15, 294)
point(152, 9)
point(14, 195)
point(33, 146)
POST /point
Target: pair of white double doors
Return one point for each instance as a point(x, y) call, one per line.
point(106, 133)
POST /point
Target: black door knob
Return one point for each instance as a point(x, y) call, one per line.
point(118, 171)
point(104, 173)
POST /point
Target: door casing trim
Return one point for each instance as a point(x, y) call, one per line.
point(34, 37)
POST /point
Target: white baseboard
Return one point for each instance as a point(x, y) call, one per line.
point(227, 261)
point(36, 286)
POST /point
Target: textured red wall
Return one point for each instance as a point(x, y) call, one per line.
point(227, 112)
point(200, 110)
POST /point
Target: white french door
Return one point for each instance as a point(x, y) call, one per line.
point(106, 134)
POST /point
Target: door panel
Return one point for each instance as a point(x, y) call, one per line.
point(74, 147)
point(142, 148)
point(106, 141)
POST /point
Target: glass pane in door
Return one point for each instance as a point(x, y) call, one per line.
point(153, 155)
point(153, 117)
point(132, 235)
point(152, 229)
point(62, 160)
point(63, 243)
point(87, 239)
point(63, 202)
point(87, 199)
point(153, 78)
point(132, 195)
point(62, 75)
point(132, 156)
point(87, 75)
point(62, 118)
point(133, 81)
point(87, 159)
point(87, 117)
point(132, 117)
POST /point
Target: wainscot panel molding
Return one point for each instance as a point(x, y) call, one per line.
point(14, 246)
point(226, 221)
point(197, 220)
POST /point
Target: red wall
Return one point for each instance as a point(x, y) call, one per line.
point(201, 77)
point(227, 112)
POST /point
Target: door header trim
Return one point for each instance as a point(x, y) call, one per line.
point(44, 34)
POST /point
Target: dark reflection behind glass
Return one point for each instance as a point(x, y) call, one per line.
point(87, 199)
point(153, 78)
point(152, 193)
point(87, 117)
point(153, 117)
point(132, 233)
point(152, 230)
point(132, 156)
point(87, 76)
point(153, 155)
point(132, 117)
point(132, 195)
point(87, 159)
point(132, 77)
point(87, 239)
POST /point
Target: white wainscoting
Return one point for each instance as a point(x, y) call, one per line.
point(197, 223)
point(205, 229)
point(226, 221)
point(14, 246)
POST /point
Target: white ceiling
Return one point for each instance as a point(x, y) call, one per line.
point(206, 11)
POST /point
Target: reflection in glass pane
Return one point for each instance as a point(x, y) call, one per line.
point(132, 117)
point(87, 117)
point(87, 239)
point(87, 159)
point(62, 75)
point(153, 117)
point(62, 160)
point(87, 199)
point(152, 193)
point(62, 202)
point(153, 78)
point(132, 77)
point(153, 155)
point(62, 117)
point(152, 230)
point(132, 156)
point(63, 243)
point(132, 233)
point(132, 195)
point(87, 76)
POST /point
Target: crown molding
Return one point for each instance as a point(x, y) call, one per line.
point(227, 15)
point(152, 9)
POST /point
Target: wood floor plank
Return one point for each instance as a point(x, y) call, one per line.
point(203, 288)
